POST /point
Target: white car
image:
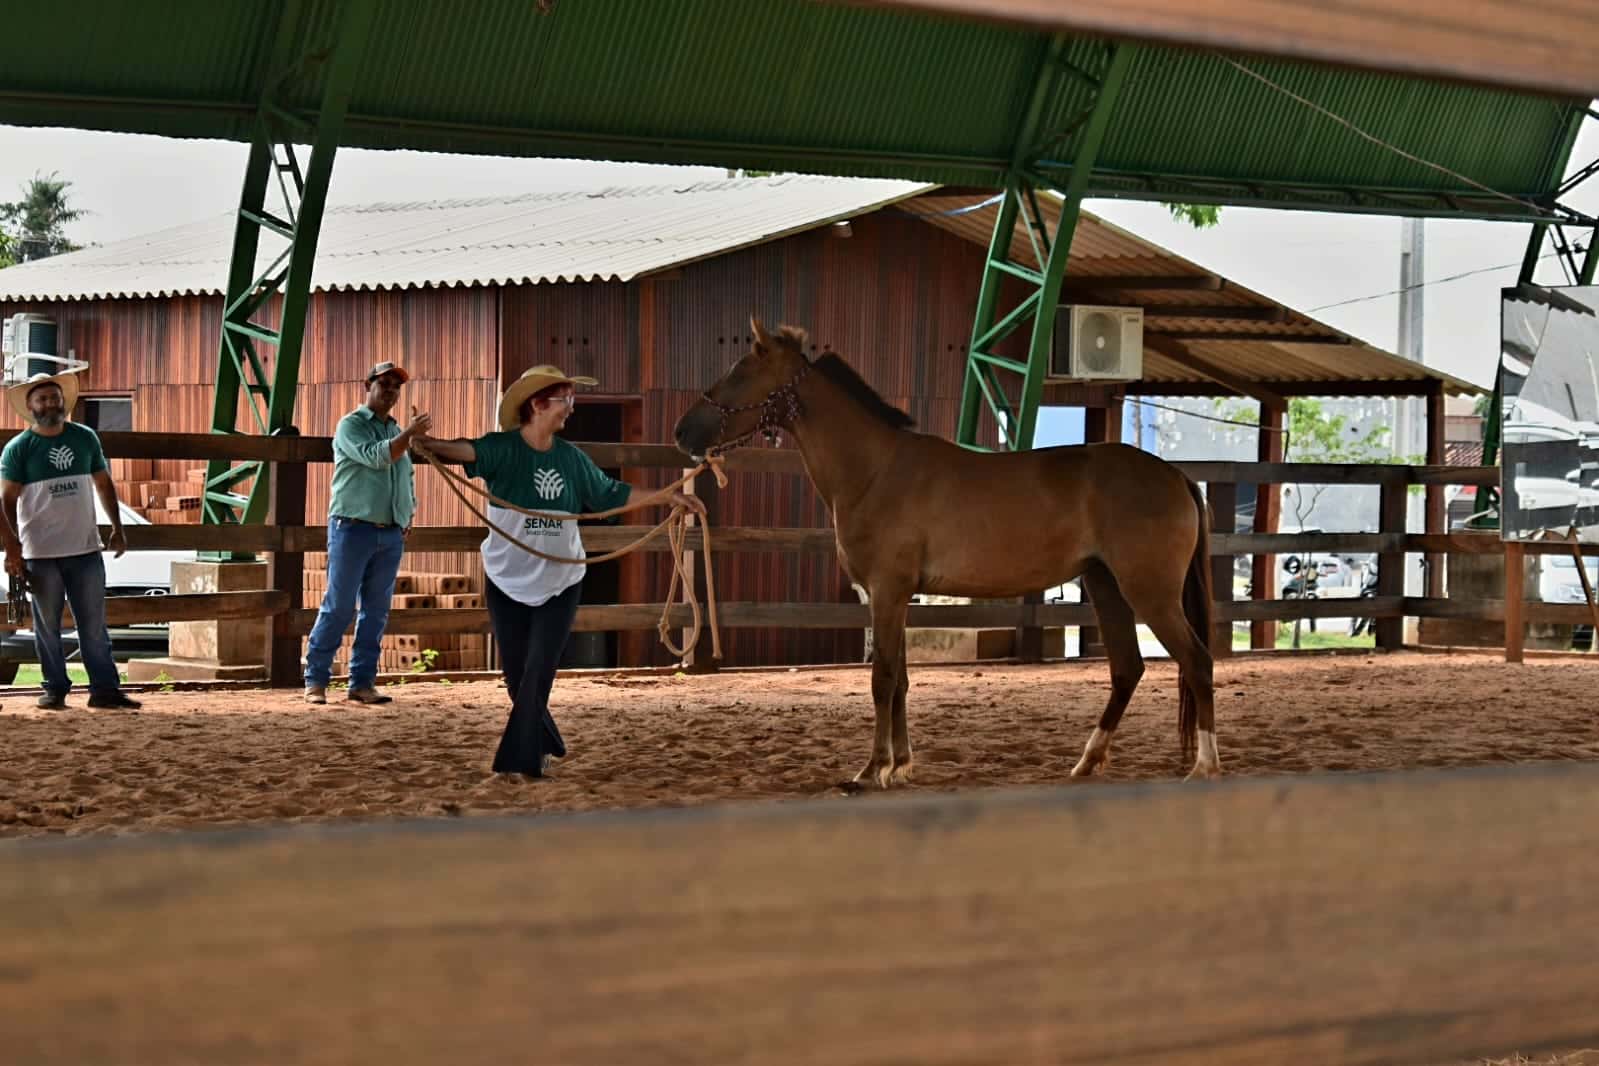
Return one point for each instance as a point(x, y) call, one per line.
point(1558, 583)
point(137, 573)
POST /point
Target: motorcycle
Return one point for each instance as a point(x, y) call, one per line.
point(1368, 590)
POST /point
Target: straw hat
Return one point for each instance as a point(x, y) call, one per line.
point(18, 393)
point(531, 381)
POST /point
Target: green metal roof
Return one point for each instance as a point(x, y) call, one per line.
point(792, 85)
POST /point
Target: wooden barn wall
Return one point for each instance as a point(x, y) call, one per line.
point(895, 299)
point(163, 354)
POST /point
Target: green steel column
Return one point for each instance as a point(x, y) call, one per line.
point(231, 376)
point(1590, 260)
point(357, 28)
point(248, 292)
point(988, 327)
point(983, 321)
point(1060, 248)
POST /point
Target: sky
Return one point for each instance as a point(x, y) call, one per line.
point(132, 184)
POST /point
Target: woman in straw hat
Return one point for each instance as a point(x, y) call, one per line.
point(533, 601)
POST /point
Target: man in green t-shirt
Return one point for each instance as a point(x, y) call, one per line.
point(51, 471)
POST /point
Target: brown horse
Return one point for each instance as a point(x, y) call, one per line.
point(917, 513)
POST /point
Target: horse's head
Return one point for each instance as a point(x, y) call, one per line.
point(755, 397)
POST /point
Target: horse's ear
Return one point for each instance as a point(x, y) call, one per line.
point(763, 340)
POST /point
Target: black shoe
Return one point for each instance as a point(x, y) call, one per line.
point(52, 701)
point(115, 701)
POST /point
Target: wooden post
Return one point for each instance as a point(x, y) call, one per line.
point(286, 570)
point(1268, 516)
point(699, 659)
point(1437, 509)
point(1391, 565)
point(1223, 499)
point(1515, 601)
point(1100, 425)
point(1029, 641)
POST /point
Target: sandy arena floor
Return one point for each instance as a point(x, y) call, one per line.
point(226, 758)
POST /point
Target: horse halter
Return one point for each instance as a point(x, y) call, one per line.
point(778, 411)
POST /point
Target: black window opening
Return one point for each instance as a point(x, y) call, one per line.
point(106, 414)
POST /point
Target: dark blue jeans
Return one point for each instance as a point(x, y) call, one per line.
point(362, 563)
point(530, 640)
point(79, 580)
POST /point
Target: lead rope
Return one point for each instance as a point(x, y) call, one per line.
point(675, 525)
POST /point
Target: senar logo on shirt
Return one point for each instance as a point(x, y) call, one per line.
point(62, 456)
point(548, 483)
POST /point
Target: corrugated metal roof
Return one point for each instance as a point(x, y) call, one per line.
point(613, 234)
point(620, 234)
point(1102, 250)
point(793, 85)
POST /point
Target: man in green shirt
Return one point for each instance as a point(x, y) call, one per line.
point(374, 500)
point(52, 471)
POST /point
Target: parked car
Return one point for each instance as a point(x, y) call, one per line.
point(1558, 582)
point(137, 573)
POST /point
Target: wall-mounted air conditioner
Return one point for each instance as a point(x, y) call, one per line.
point(30, 343)
point(1097, 343)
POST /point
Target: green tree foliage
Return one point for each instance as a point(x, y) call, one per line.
point(1200, 216)
point(35, 227)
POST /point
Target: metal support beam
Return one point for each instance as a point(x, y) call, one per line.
point(273, 157)
point(1019, 421)
point(1178, 353)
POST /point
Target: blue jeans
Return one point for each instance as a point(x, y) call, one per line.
point(362, 562)
point(79, 580)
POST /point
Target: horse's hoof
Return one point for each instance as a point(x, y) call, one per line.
point(875, 774)
point(1204, 772)
point(1086, 766)
point(902, 773)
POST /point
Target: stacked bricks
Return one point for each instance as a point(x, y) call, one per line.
point(163, 503)
point(403, 653)
point(435, 652)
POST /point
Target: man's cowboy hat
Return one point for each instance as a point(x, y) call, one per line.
point(18, 393)
point(531, 381)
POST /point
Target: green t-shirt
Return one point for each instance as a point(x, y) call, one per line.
point(563, 480)
point(56, 509)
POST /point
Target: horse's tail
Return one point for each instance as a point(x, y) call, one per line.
point(1196, 608)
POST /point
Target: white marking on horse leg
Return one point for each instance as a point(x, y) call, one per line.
point(1208, 764)
point(1096, 753)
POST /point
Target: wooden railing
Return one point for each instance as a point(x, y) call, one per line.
point(1411, 916)
point(286, 541)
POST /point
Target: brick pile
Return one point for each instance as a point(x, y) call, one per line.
point(411, 652)
point(164, 503)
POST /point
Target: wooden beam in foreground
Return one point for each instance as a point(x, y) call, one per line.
point(1426, 916)
point(1538, 48)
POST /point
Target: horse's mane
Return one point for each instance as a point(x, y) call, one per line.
point(840, 373)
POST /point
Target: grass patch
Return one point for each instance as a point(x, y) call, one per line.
point(1319, 641)
point(30, 676)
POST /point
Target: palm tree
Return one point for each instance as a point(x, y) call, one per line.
point(36, 224)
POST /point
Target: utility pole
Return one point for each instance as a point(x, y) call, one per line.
point(1409, 414)
point(1412, 275)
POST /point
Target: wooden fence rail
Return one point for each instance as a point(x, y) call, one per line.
point(287, 540)
point(1419, 916)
